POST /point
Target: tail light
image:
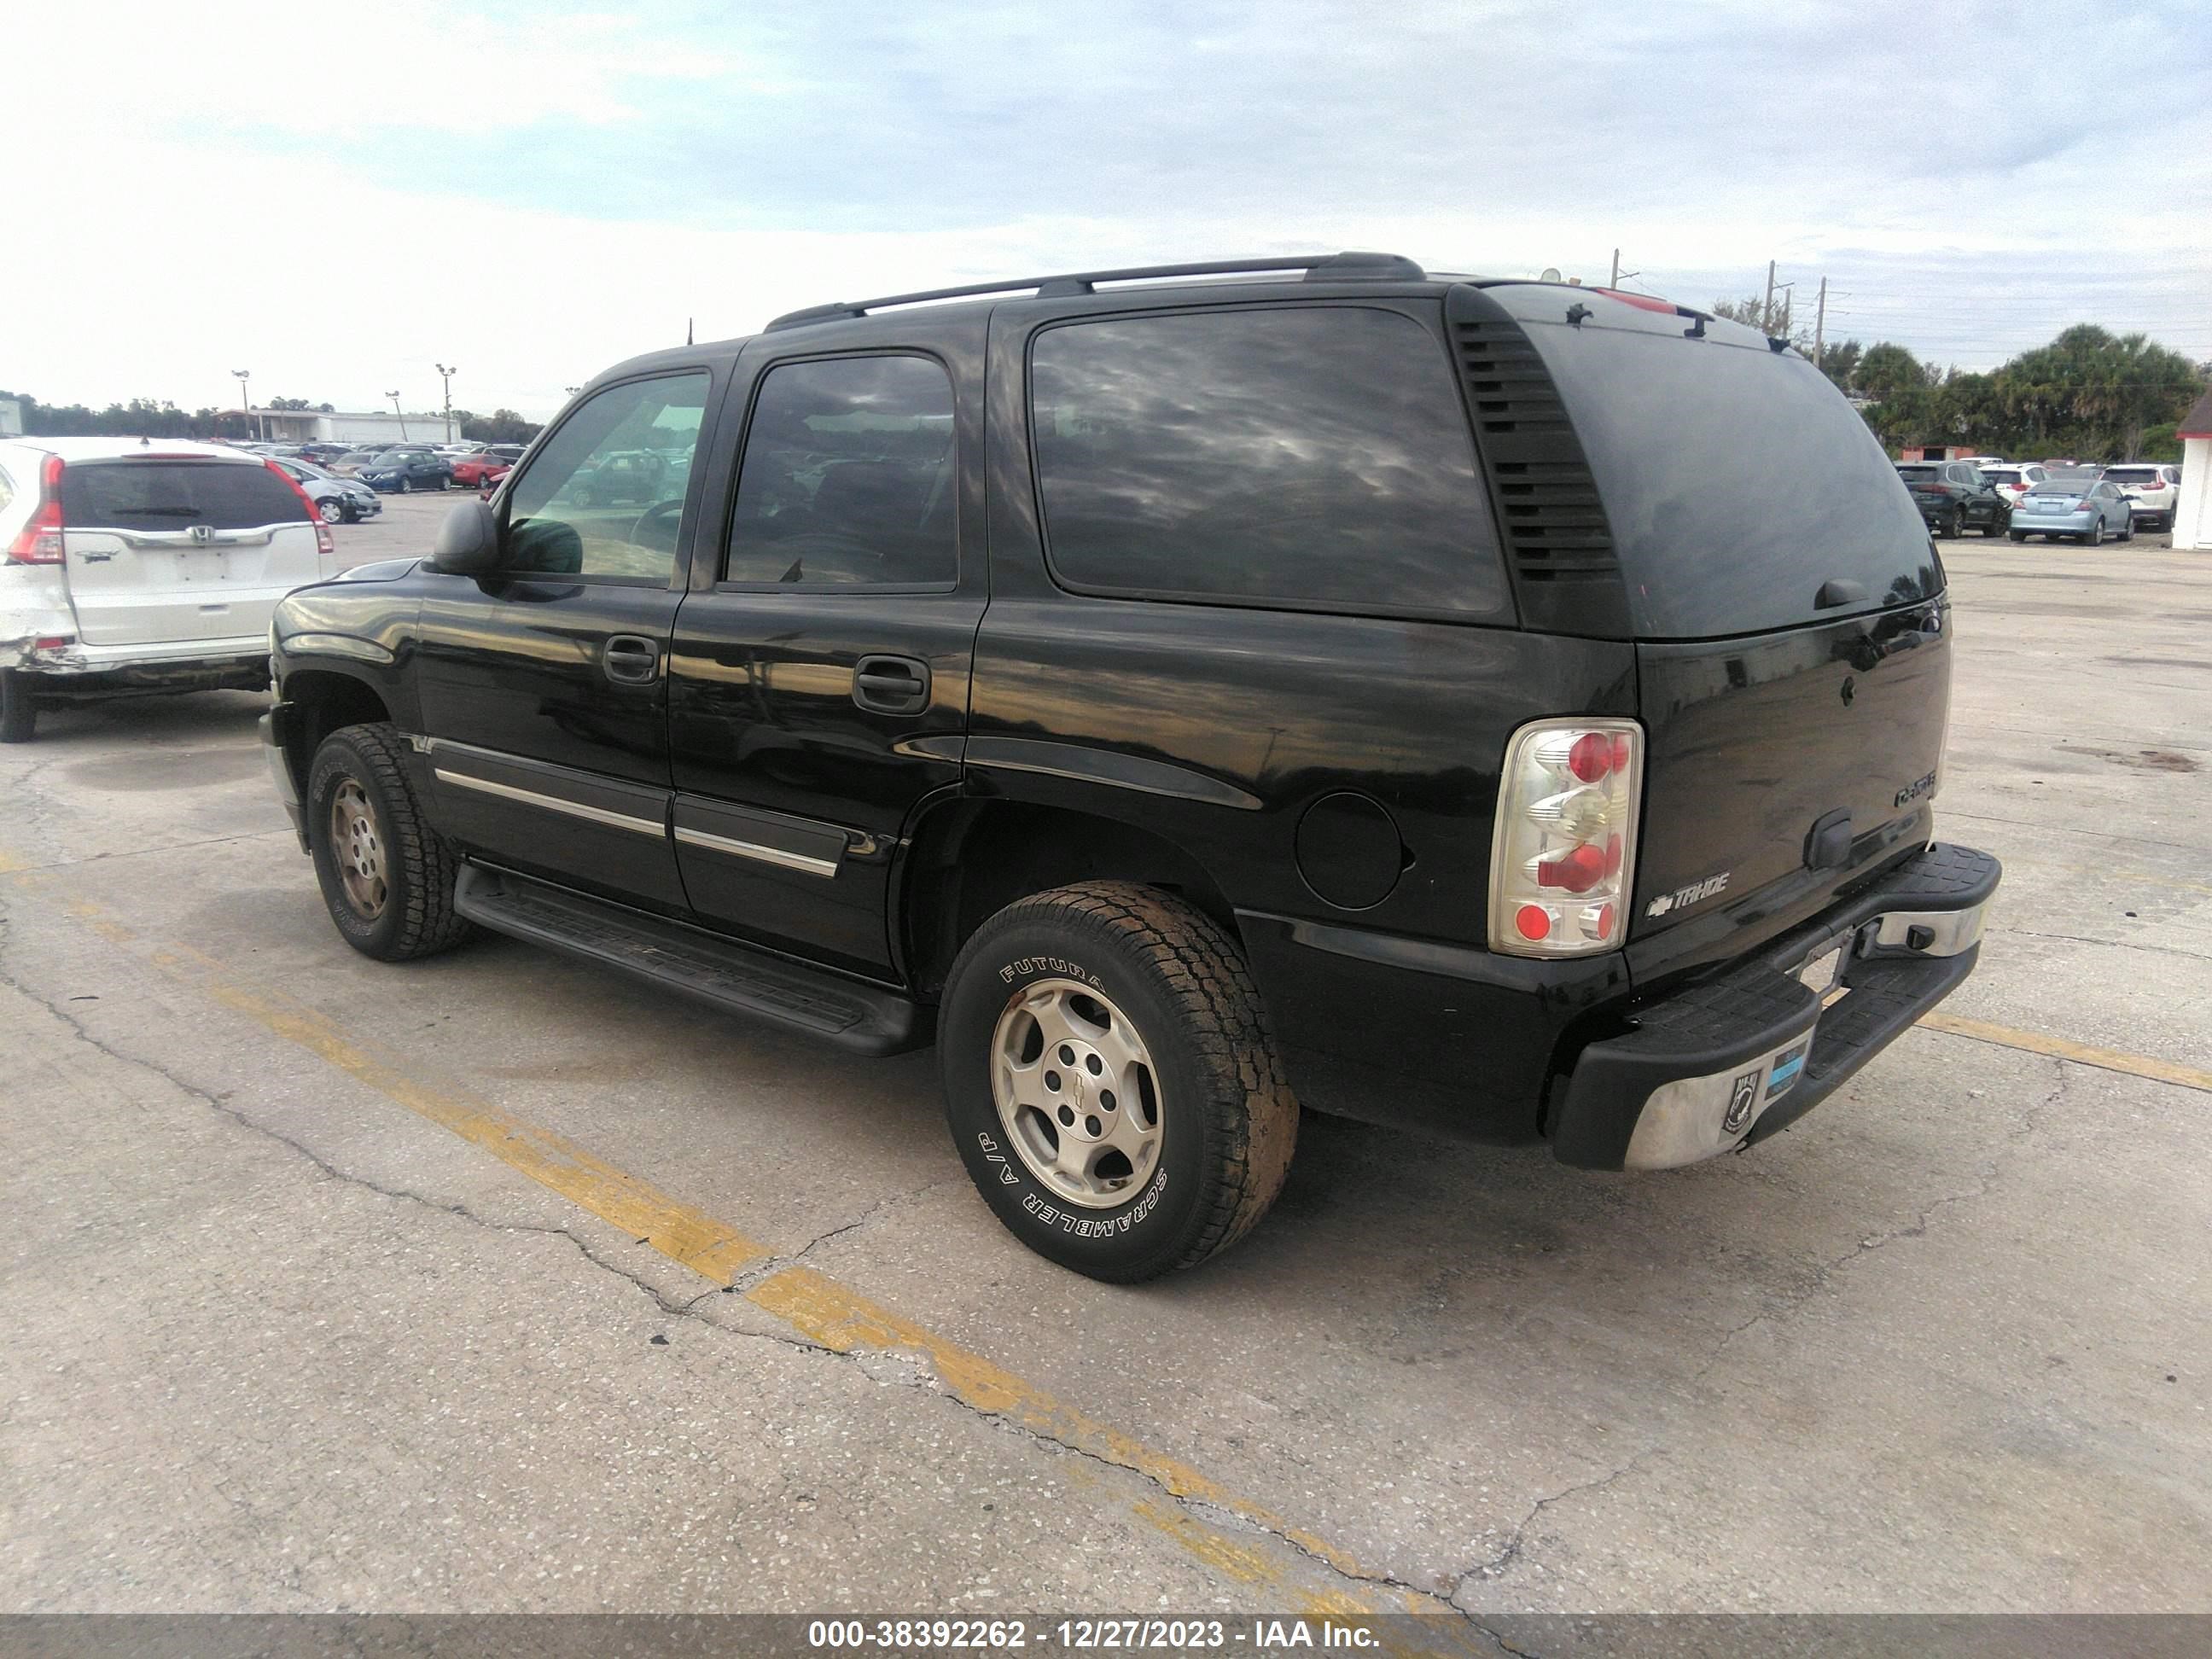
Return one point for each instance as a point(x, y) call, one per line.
point(1563, 849)
point(325, 543)
point(40, 542)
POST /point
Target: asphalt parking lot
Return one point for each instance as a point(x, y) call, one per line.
point(496, 1284)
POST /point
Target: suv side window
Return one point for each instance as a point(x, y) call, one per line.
point(1314, 456)
point(604, 496)
point(847, 478)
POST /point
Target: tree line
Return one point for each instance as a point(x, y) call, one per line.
point(159, 418)
point(2090, 393)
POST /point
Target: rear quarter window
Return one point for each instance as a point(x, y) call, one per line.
point(1306, 457)
point(160, 495)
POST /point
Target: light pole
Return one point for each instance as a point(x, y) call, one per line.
point(446, 375)
point(401, 413)
point(244, 403)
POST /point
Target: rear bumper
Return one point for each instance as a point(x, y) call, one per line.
point(1737, 1056)
point(77, 670)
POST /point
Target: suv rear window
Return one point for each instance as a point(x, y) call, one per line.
point(170, 494)
point(1295, 457)
point(1919, 474)
point(2134, 475)
point(1738, 482)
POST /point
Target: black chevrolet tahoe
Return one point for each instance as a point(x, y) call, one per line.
point(1185, 693)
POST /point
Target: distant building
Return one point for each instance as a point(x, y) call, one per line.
point(2192, 512)
point(307, 426)
point(1938, 452)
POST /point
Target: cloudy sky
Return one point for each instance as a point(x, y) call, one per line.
point(336, 197)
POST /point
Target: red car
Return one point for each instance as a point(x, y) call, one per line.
point(485, 467)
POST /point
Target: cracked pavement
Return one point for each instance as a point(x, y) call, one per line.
point(274, 1342)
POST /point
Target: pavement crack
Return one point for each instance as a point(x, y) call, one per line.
point(1516, 1546)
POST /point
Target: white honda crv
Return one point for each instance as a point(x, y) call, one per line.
point(130, 565)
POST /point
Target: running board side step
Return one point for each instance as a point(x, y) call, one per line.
point(865, 1020)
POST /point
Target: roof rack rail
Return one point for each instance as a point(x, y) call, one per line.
point(1347, 267)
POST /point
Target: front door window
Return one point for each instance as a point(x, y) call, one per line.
point(604, 498)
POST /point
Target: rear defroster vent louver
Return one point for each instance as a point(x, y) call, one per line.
point(1553, 524)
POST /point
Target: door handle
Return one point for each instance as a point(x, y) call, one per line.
point(892, 685)
point(630, 659)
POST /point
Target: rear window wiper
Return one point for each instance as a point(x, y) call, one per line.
point(163, 512)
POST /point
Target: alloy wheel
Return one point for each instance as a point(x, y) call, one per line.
point(1077, 1093)
point(357, 849)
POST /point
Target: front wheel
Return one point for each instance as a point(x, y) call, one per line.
point(19, 715)
point(386, 876)
point(1111, 1082)
point(2128, 534)
point(406, 486)
point(331, 509)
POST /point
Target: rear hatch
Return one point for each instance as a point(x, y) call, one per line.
point(168, 548)
point(1793, 642)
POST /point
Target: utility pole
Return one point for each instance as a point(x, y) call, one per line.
point(1613, 281)
point(1766, 311)
point(446, 375)
point(401, 413)
point(244, 403)
point(1820, 325)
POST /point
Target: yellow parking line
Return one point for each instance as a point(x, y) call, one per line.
point(2034, 1042)
point(811, 1302)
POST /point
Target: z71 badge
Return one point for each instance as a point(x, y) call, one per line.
point(1690, 895)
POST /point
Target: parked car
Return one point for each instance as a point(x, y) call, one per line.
point(335, 499)
point(1953, 495)
point(350, 464)
point(2153, 491)
point(2011, 483)
point(1985, 462)
point(2089, 510)
point(400, 471)
point(322, 454)
point(1154, 708)
point(634, 474)
point(477, 470)
point(130, 567)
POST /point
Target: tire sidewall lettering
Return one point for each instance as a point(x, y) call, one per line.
point(1022, 968)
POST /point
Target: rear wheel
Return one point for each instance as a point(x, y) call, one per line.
point(386, 876)
point(19, 716)
point(1947, 525)
point(2017, 535)
point(2096, 536)
point(1110, 1080)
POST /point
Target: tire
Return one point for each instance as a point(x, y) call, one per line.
point(1173, 990)
point(19, 715)
point(583, 497)
point(406, 484)
point(2017, 535)
point(1949, 527)
point(331, 509)
point(2096, 536)
point(412, 915)
point(2129, 534)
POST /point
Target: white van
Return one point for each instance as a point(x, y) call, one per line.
point(129, 565)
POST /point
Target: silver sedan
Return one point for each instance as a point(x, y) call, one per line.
point(2086, 508)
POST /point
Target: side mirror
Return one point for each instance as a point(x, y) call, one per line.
point(467, 541)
